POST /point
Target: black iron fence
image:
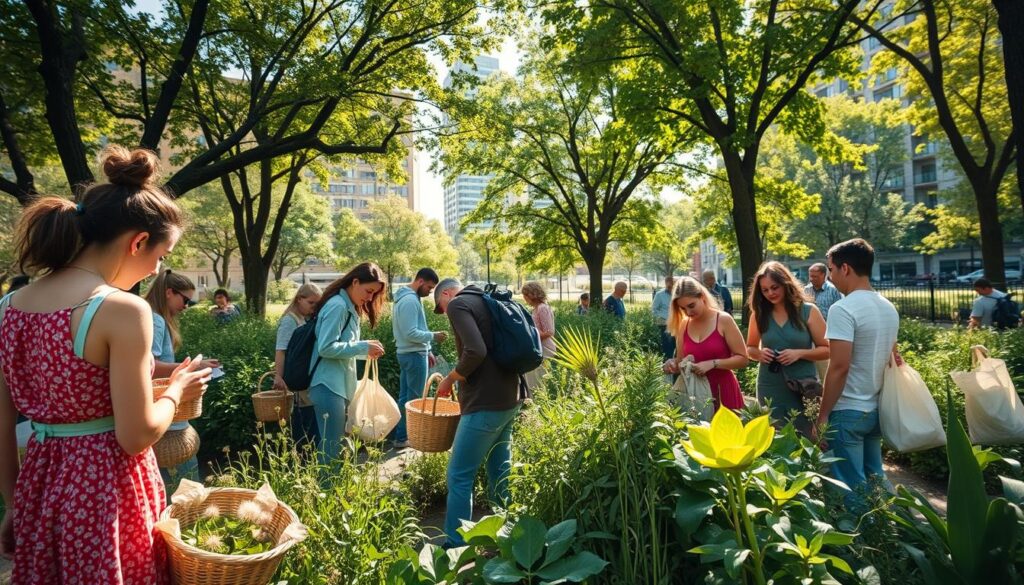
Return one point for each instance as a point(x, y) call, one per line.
point(936, 302)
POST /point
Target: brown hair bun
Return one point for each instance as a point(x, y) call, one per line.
point(130, 168)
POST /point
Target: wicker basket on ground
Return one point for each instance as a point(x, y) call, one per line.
point(272, 405)
point(176, 447)
point(431, 422)
point(194, 566)
point(187, 410)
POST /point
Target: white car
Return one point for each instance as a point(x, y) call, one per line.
point(1011, 275)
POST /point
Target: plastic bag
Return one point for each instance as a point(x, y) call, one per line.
point(692, 392)
point(995, 414)
point(909, 417)
point(373, 412)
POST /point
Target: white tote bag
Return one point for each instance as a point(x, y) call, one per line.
point(373, 412)
point(995, 414)
point(909, 417)
point(692, 392)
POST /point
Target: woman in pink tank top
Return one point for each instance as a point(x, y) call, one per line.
point(708, 337)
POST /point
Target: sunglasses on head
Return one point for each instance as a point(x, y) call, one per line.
point(188, 301)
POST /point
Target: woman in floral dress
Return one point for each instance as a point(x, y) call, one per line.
point(74, 358)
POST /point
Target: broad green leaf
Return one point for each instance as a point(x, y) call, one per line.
point(1013, 489)
point(527, 539)
point(1001, 534)
point(692, 508)
point(838, 563)
point(968, 504)
point(483, 532)
point(734, 558)
point(574, 568)
point(559, 540)
point(499, 570)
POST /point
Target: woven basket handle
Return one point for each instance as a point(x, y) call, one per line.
point(978, 353)
point(259, 385)
point(426, 390)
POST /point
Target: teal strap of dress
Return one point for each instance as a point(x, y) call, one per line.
point(81, 429)
point(83, 326)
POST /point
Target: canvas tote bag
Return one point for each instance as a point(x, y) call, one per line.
point(995, 414)
point(692, 392)
point(909, 417)
point(373, 412)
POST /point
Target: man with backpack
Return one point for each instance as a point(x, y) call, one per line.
point(490, 398)
point(993, 308)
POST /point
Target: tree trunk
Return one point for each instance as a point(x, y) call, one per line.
point(991, 234)
point(1011, 25)
point(744, 218)
point(593, 257)
point(222, 277)
point(255, 274)
point(60, 58)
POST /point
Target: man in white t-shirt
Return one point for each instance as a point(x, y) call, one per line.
point(984, 307)
point(861, 330)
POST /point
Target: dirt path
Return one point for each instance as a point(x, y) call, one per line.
point(934, 491)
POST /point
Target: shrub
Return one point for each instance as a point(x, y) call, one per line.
point(358, 519)
point(245, 348)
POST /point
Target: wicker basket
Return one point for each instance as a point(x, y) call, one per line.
point(431, 422)
point(176, 447)
point(272, 405)
point(194, 566)
point(187, 410)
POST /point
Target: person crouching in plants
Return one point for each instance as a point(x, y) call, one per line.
point(490, 398)
point(74, 358)
point(359, 293)
point(304, 428)
point(169, 295)
point(708, 336)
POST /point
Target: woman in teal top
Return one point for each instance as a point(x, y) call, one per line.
point(359, 293)
point(169, 295)
point(786, 336)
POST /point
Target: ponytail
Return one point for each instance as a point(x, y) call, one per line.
point(47, 237)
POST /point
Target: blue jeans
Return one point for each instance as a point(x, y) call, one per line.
point(305, 430)
point(331, 412)
point(856, 437)
point(668, 343)
point(412, 378)
point(172, 476)
point(484, 435)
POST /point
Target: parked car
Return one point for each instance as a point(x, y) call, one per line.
point(1011, 276)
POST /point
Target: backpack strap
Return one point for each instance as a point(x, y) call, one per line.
point(316, 364)
point(93, 305)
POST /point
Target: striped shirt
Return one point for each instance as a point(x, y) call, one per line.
point(824, 298)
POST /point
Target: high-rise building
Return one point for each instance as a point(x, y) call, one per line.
point(355, 185)
point(463, 193)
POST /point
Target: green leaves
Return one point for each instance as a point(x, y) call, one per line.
point(528, 541)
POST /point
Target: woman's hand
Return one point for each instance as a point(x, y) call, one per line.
point(766, 356)
point(188, 381)
point(279, 383)
point(376, 349)
point(790, 356)
point(210, 363)
point(702, 368)
point(7, 535)
point(671, 366)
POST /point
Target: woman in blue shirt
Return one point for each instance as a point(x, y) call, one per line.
point(304, 429)
point(169, 295)
point(359, 293)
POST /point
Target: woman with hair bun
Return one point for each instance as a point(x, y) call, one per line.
point(75, 359)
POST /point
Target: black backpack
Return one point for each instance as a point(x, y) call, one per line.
point(1007, 313)
point(515, 342)
point(297, 373)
